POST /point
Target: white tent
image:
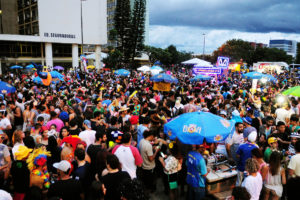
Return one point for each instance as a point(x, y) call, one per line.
point(198, 62)
point(144, 68)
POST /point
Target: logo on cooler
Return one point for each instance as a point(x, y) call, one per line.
point(192, 128)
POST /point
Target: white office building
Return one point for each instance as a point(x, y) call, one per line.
point(289, 46)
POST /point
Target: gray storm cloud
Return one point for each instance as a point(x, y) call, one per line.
point(260, 16)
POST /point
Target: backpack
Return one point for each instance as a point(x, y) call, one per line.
point(177, 112)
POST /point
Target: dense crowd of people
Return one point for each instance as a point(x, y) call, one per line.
point(100, 136)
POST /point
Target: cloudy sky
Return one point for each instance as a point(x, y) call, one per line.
point(183, 22)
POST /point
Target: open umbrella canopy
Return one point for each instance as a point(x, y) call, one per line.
point(122, 72)
point(294, 91)
point(31, 66)
point(144, 68)
point(157, 67)
point(200, 78)
point(164, 78)
point(91, 67)
point(58, 68)
point(16, 67)
point(6, 88)
point(193, 128)
point(258, 75)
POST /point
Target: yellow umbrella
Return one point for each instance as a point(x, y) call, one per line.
point(91, 67)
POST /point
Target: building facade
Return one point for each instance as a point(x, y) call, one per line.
point(51, 32)
point(289, 46)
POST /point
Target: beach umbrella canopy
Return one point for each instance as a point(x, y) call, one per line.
point(56, 74)
point(164, 78)
point(31, 66)
point(200, 78)
point(258, 75)
point(122, 72)
point(91, 67)
point(16, 67)
point(58, 68)
point(294, 91)
point(144, 68)
point(157, 67)
point(6, 88)
point(193, 128)
point(37, 80)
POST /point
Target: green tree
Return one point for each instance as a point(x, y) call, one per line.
point(123, 27)
point(137, 35)
point(113, 60)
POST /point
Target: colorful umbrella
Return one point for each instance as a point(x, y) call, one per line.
point(122, 72)
point(164, 78)
point(200, 78)
point(58, 68)
point(31, 66)
point(16, 67)
point(91, 67)
point(193, 128)
point(157, 67)
point(6, 88)
point(294, 91)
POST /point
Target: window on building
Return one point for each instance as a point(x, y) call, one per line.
point(27, 15)
point(34, 13)
point(21, 18)
point(35, 28)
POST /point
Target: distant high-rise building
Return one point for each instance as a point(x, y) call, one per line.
point(289, 46)
point(111, 8)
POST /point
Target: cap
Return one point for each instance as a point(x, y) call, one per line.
point(252, 136)
point(272, 140)
point(22, 152)
point(87, 123)
point(62, 165)
point(248, 120)
point(248, 130)
point(64, 116)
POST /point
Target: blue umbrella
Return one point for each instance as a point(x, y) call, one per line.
point(31, 66)
point(157, 63)
point(6, 88)
point(193, 128)
point(164, 78)
point(37, 80)
point(16, 67)
point(200, 78)
point(122, 72)
point(257, 75)
point(157, 67)
point(56, 74)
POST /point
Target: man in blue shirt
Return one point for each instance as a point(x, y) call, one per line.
point(243, 153)
point(141, 129)
point(196, 172)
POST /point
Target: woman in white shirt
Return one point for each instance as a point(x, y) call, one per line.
point(253, 182)
point(172, 165)
point(275, 177)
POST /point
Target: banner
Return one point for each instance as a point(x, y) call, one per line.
point(223, 62)
point(162, 86)
point(206, 70)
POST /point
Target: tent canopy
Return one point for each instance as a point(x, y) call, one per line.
point(198, 62)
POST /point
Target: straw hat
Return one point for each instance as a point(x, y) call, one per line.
point(22, 152)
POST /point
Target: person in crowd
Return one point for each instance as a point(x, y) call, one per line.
point(65, 188)
point(233, 142)
point(240, 193)
point(294, 138)
point(196, 173)
point(55, 120)
point(88, 135)
point(128, 155)
point(17, 140)
point(20, 173)
point(282, 135)
point(253, 182)
point(273, 146)
point(267, 128)
point(114, 177)
point(172, 164)
point(141, 128)
point(146, 150)
point(263, 167)
point(275, 178)
point(243, 153)
point(294, 164)
point(5, 160)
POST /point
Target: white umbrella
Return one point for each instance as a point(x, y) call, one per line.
point(155, 71)
point(198, 62)
point(144, 68)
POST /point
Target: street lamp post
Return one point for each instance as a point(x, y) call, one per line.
point(203, 44)
point(81, 22)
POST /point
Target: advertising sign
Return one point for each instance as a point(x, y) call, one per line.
point(60, 21)
point(161, 86)
point(206, 70)
point(223, 62)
